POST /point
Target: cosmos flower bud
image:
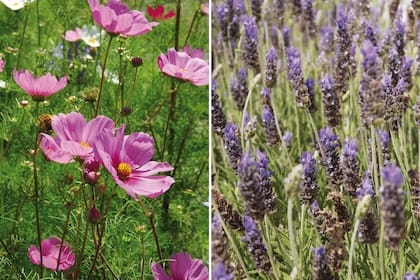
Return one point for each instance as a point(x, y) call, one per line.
point(94, 215)
point(137, 61)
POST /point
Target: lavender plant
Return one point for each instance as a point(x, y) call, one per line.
point(353, 196)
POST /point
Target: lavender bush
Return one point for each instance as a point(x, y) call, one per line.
point(334, 150)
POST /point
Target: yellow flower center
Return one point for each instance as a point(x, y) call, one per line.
point(91, 40)
point(84, 144)
point(123, 170)
point(16, 3)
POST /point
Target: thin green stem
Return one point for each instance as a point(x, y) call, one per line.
point(103, 74)
point(25, 25)
point(149, 214)
point(191, 27)
point(132, 86)
point(177, 23)
point(266, 235)
point(292, 238)
point(353, 241)
point(36, 195)
point(10, 256)
point(142, 258)
point(38, 23)
point(63, 236)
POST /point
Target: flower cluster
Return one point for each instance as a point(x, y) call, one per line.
point(126, 158)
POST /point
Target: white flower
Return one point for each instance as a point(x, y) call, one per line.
point(16, 4)
point(2, 84)
point(91, 36)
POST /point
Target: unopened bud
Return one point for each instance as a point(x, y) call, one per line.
point(90, 177)
point(94, 215)
point(137, 61)
point(292, 181)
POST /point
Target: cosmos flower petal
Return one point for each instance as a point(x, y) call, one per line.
point(53, 151)
point(148, 186)
point(153, 167)
point(158, 272)
point(100, 123)
point(179, 265)
point(197, 271)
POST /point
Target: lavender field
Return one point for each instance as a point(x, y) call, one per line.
point(315, 139)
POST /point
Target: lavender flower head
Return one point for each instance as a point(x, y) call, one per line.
point(295, 76)
point(399, 37)
point(370, 33)
point(250, 44)
point(366, 187)
point(286, 36)
point(252, 192)
point(368, 228)
point(218, 118)
point(223, 25)
point(309, 17)
point(386, 150)
point(232, 145)
point(392, 206)
point(256, 246)
point(256, 7)
point(218, 242)
point(310, 84)
point(272, 136)
point(308, 186)
point(263, 177)
point(219, 272)
point(250, 126)
point(371, 94)
point(239, 88)
point(406, 73)
point(327, 39)
point(266, 96)
point(287, 139)
point(410, 276)
point(343, 54)
point(320, 266)
point(330, 101)
point(350, 167)
point(330, 157)
point(270, 78)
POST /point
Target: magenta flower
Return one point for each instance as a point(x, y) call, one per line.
point(74, 138)
point(182, 267)
point(184, 67)
point(39, 88)
point(159, 13)
point(2, 63)
point(73, 35)
point(204, 7)
point(127, 158)
point(117, 19)
point(50, 251)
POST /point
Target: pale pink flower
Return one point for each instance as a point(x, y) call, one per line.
point(50, 251)
point(128, 159)
point(199, 53)
point(2, 63)
point(159, 13)
point(39, 88)
point(117, 19)
point(182, 267)
point(74, 138)
point(205, 8)
point(73, 35)
point(184, 67)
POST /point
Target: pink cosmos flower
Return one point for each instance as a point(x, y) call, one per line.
point(39, 88)
point(184, 67)
point(199, 53)
point(182, 267)
point(117, 19)
point(205, 8)
point(2, 63)
point(74, 138)
point(159, 13)
point(73, 35)
point(50, 251)
point(127, 158)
